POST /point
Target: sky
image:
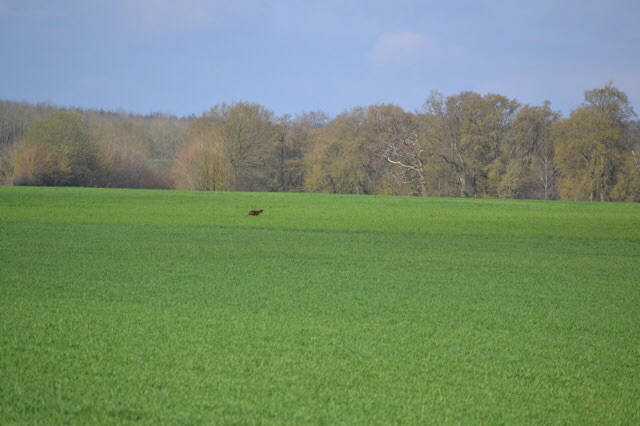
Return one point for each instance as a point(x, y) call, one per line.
point(183, 57)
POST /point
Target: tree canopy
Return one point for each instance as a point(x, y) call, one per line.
point(463, 145)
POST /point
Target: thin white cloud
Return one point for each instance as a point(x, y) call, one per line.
point(402, 47)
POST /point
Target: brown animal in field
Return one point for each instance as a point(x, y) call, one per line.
point(255, 212)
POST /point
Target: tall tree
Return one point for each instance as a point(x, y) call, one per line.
point(470, 132)
point(531, 171)
point(247, 132)
point(232, 147)
point(400, 138)
point(627, 187)
point(593, 143)
point(294, 137)
point(332, 164)
point(345, 157)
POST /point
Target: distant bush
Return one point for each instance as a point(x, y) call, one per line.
point(65, 150)
point(57, 151)
point(121, 168)
point(7, 164)
point(200, 165)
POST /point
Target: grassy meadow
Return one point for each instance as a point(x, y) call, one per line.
point(168, 307)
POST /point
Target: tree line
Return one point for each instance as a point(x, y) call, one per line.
point(464, 145)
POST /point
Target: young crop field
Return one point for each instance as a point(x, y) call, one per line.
point(168, 307)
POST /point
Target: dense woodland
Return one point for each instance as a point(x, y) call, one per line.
point(466, 145)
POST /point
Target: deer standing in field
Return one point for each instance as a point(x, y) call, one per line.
point(255, 212)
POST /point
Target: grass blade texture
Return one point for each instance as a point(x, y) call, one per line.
point(167, 307)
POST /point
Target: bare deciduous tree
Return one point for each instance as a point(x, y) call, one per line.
point(405, 146)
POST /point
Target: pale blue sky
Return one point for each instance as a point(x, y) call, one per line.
point(184, 56)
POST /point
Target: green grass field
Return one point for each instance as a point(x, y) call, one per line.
point(167, 307)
